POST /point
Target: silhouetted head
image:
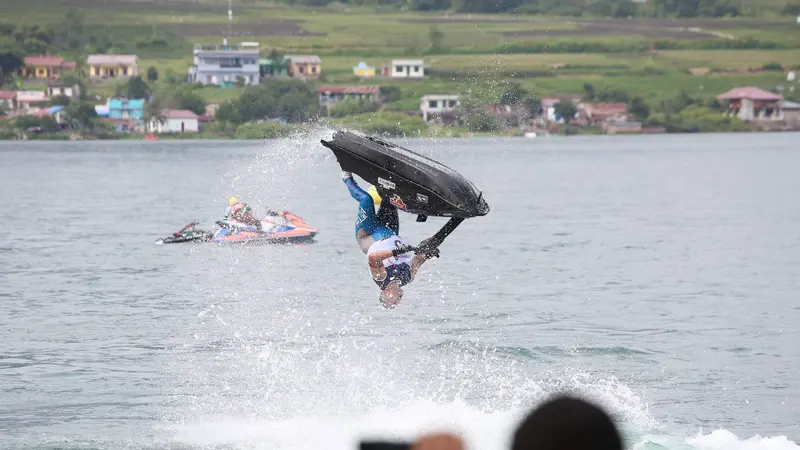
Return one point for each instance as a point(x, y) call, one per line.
point(567, 423)
point(391, 295)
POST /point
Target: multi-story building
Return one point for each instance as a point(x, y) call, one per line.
point(225, 65)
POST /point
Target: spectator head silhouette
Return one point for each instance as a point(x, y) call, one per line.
point(567, 423)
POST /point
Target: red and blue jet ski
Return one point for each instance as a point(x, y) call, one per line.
point(285, 228)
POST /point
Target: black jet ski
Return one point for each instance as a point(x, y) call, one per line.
point(187, 234)
point(412, 182)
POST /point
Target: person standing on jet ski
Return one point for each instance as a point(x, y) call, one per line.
point(378, 237)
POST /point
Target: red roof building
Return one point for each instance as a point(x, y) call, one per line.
point(751, 93)
point(43, 67)
point(7, 99)
point(751, 103)
point(603, 112)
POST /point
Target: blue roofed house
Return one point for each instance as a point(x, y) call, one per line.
point(126, 115)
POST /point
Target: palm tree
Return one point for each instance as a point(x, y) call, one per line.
point(154, 112)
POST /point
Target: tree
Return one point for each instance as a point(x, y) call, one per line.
point(34, 47)
point(566, 110)
point(791, 9)
point(48, 124)
point(154, 111)
point(296, 107)
point(10, 61)
point(192, 101)
point(152, 74)
point(81, 114)
point(26, 122)
point(625, 8)
point(639, 108)
point(613, 95)
point(678, 103)
point(136, 88)
point(436, 37)
point(513, 94)
point(228, 111)
point(588, 89)
point(59, 100)
point(533, 105)
point(352, 107)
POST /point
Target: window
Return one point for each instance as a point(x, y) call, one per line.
point(416, 69)
point(398, 69)
point(433, 104)
point(313, 69)
point(300, 69)
point(451, 103)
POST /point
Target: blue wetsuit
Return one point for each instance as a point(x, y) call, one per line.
point(381, 225)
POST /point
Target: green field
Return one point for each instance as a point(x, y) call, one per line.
point(548, 55)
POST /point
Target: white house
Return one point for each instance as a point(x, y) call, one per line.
point(30, 102)
point(404, 68)
point(176, 121)
point(67, 90)
point(436, 105)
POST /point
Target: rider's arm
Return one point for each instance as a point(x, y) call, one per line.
point(375, 261)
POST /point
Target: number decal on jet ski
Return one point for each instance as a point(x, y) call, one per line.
point(386, 184)
point(397, 201)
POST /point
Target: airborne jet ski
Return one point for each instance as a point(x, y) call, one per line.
point(412, 182)
point(285, 228)
point(415, 183)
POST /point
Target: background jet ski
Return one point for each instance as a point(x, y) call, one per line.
point(285, 228)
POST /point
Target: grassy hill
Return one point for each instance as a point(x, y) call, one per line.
point(548, 55)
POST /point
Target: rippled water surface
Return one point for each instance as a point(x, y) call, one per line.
point(658, 275)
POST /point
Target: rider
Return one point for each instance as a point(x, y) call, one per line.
point(239, 211)
point(377, 236)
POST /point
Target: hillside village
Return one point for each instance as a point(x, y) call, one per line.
point(112, 95)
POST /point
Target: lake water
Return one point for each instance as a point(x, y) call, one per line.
point(657, 275)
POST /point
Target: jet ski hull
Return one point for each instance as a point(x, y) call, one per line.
point(412, 182)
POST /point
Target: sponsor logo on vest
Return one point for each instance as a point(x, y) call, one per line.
point(397, 202)
point(362, 215)
point(422, 198)
point(386, 184)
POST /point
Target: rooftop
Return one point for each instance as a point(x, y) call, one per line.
point(179, 114)
point(307, 59)
point(111, 60)
point(7, 95)
point(31, 96)
point(750, 93)
point(605, 108)
point(441, 97)
point(49, 61)
point(244, 47)
point(349, 89)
